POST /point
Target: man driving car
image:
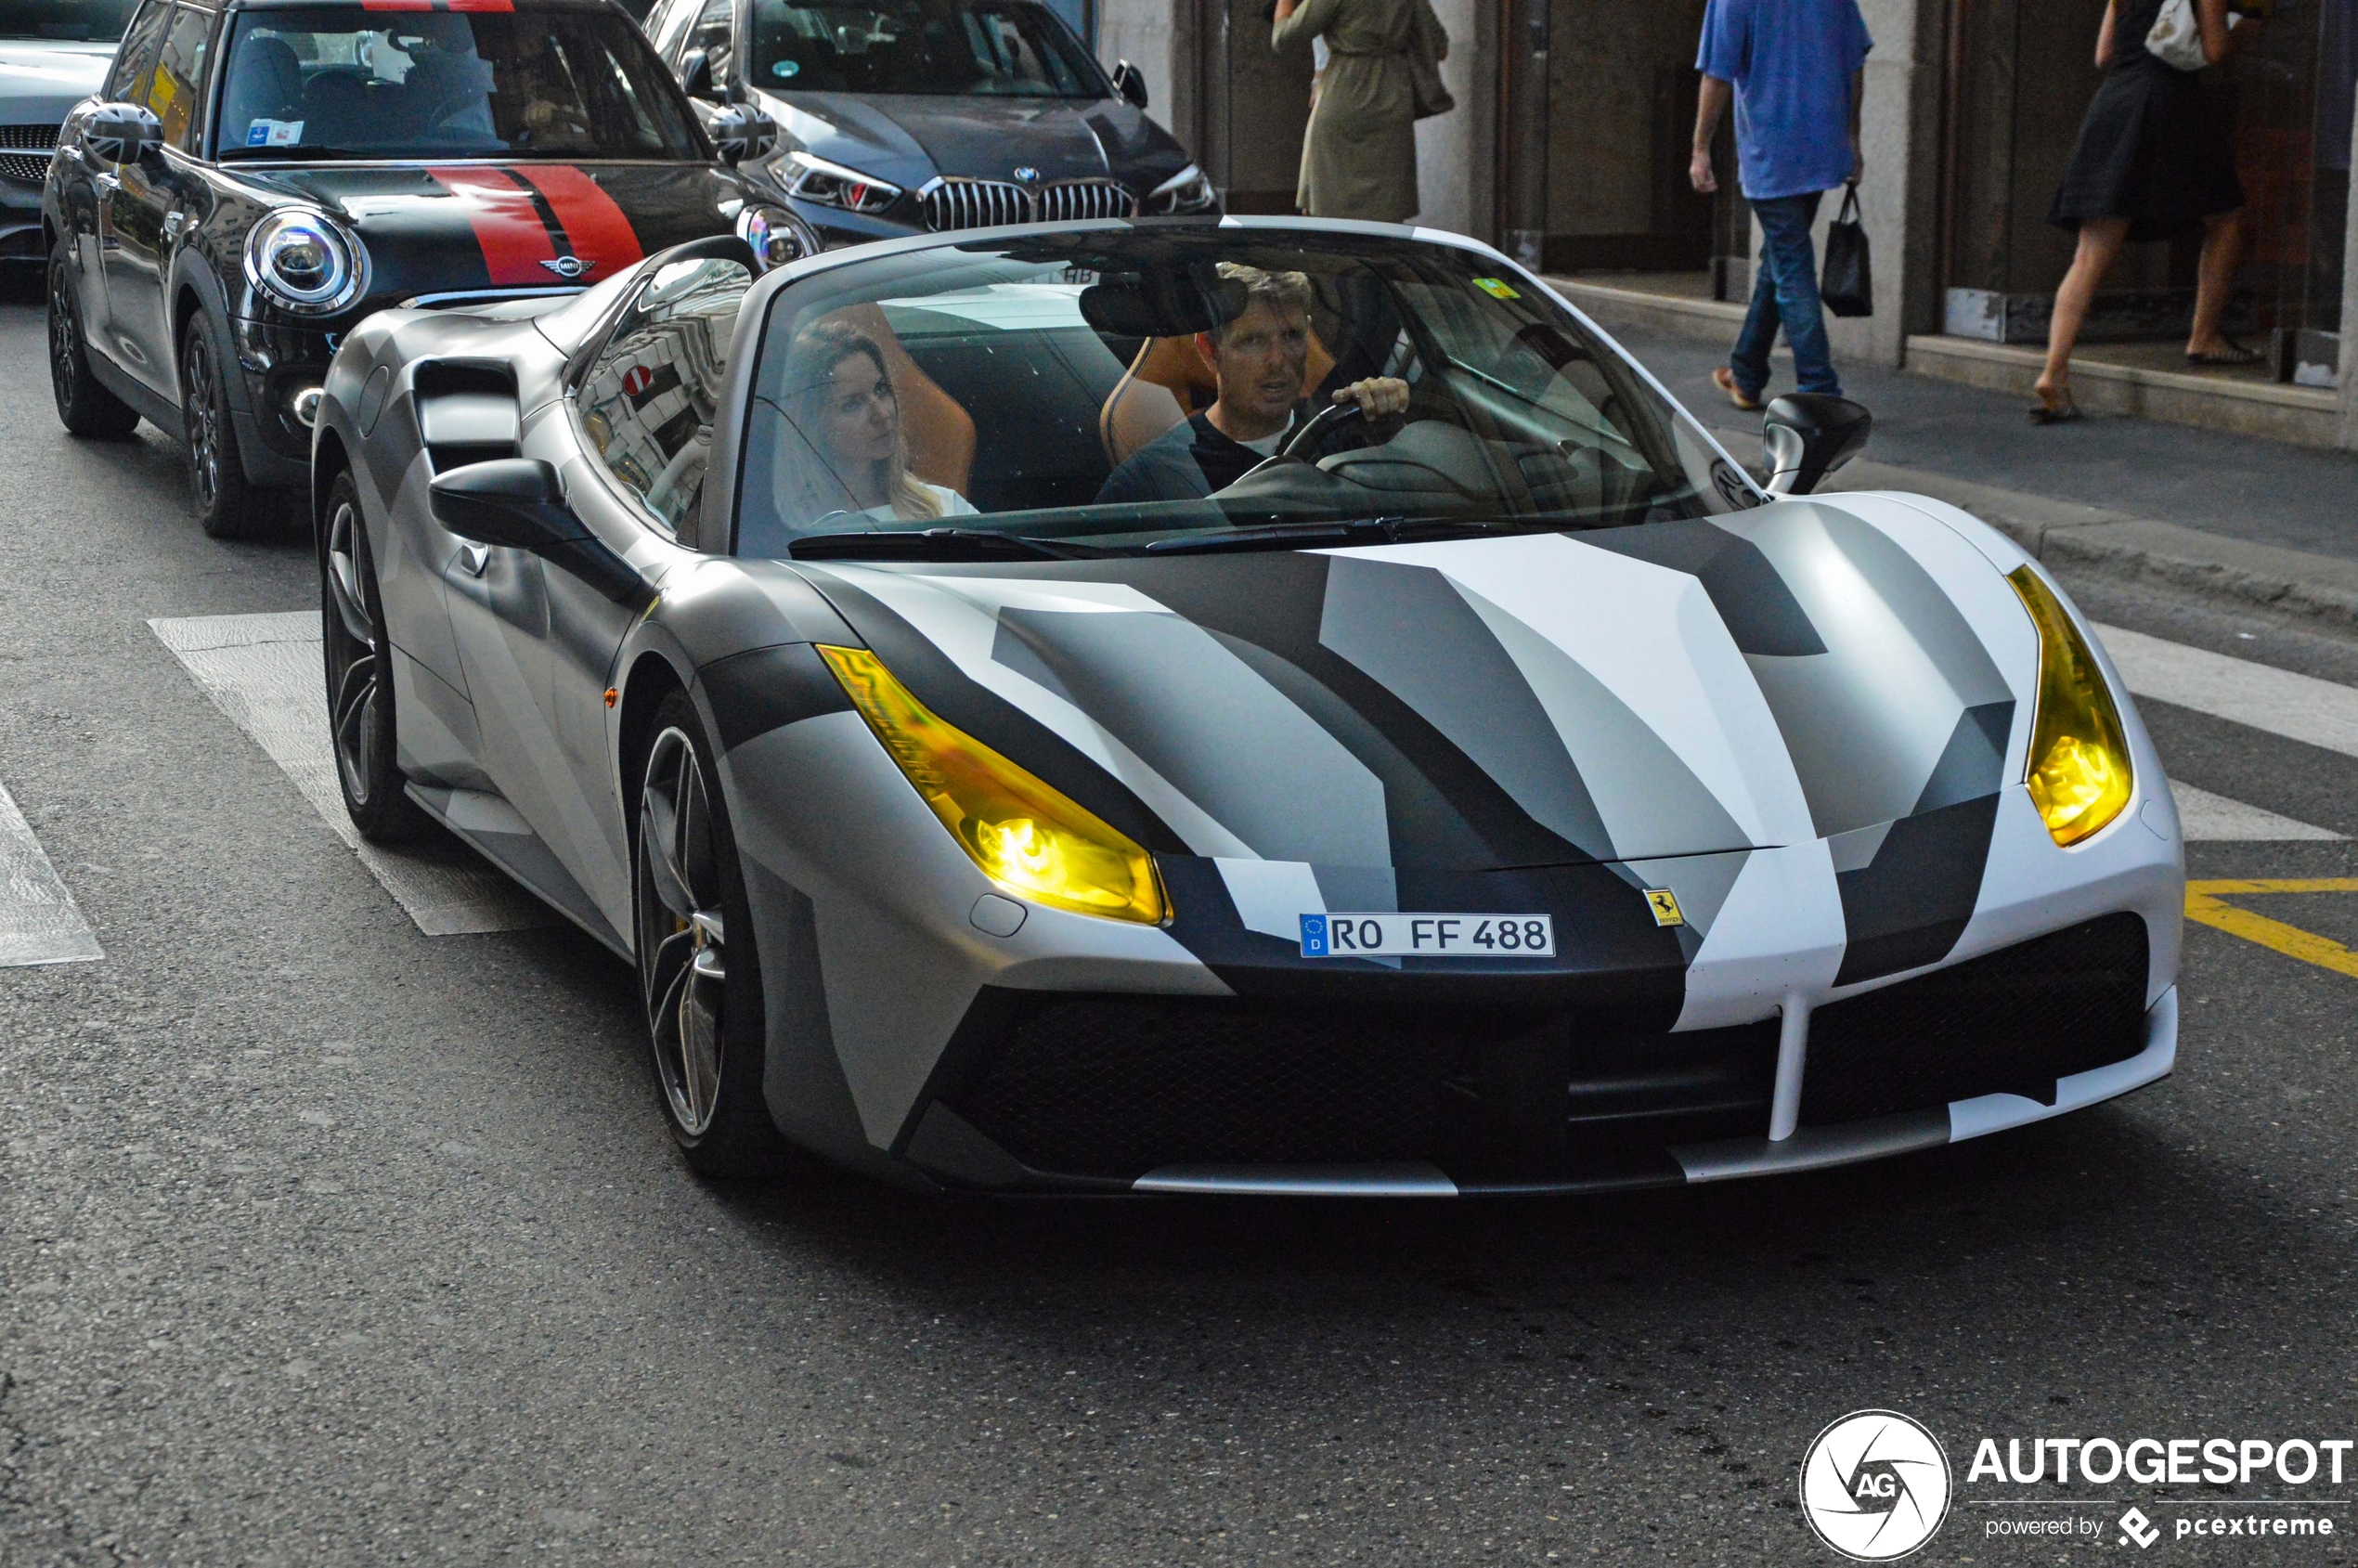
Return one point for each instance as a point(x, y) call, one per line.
point(1257, 358)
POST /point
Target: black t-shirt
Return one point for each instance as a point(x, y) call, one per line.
point(1186, 463)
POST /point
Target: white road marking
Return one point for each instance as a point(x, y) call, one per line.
point(263, 671)
point(39, 923)
point(2300, 707)
point(2205, 818)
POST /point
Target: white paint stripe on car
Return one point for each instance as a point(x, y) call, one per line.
point(263, 671)
point(2300, 707)
point(2205, 818)
point(39, 921)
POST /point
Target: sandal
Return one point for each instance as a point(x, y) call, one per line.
point(2236, 354)
point(1725, 379)
point(2055, 413)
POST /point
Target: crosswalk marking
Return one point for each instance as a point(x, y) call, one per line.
point(263, 671)
point(2205, 818)
point(2299, 708)
point(39, 922)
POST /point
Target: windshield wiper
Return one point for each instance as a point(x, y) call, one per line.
point(297, 154)
point(929, 544)
point(1302, 535)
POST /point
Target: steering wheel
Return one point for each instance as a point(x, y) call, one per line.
point(1314, 433)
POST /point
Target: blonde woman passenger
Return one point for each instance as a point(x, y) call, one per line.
point(851, 414)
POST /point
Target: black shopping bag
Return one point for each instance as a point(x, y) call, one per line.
point(1847, 285)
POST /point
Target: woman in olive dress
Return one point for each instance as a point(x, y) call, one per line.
point(2152, 163)
point(1359, 153)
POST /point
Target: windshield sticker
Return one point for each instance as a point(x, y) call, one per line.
point(785, 67)
point(1497, 288)
point(274, 133)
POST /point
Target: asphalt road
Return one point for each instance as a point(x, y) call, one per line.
point(323, 1241)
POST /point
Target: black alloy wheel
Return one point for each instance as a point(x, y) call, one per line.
point(227, 506)
point(358, 656)
point(83, 406)
point(697, 967)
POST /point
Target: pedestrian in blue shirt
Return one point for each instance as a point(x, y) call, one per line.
point(1793, 68)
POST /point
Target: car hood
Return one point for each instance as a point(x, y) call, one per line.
point(1690, 689)
point(909, 138)
point(433, 229)
point(40, 79)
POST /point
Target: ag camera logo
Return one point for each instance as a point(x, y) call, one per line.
point(1875, 1485)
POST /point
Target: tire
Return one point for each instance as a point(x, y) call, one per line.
point(698, 971)
point(83, 406)
point(227, 506)
point(359, 654)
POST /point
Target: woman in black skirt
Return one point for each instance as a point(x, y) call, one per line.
point(2150, 163)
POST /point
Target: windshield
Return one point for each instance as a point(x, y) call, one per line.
point(1161, 390)
point(1007, 48)
point(330, 81)
point(100, 22)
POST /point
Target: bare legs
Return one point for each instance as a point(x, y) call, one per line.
point(2222, 246)
point(2100, 243)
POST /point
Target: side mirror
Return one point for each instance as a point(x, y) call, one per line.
point(520, 504)
point(743, 133)
point(695, 76)
point(1807, 436)
point(1130, 83)
point(123, 133)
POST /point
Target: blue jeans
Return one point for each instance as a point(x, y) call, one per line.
point(1784, 292)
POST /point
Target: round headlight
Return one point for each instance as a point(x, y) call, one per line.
point(302, 261)
point(777, 236)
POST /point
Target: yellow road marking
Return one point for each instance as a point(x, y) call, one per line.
point(2205, 903)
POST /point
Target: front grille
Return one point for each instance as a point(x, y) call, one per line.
point(1117, 1086)
point(27, 148)
point(2009, 1022)
point(964, 203)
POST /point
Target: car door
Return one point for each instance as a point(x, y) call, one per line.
point(538, 645)
point(147, 204)
point(126, 79)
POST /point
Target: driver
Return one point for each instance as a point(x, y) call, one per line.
point(1257, 359)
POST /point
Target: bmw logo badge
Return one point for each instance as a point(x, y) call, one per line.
point(1026, 174)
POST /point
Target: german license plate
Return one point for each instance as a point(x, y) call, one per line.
point(1428, 936)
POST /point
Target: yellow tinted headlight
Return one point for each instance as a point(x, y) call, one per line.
point(1028, 837)
point(2079, 775)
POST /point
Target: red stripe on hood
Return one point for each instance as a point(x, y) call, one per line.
point(593, 225)
point(506, 222)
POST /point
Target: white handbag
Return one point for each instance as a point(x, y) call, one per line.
point(2175, 38)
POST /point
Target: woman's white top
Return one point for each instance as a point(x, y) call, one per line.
point(953, 504)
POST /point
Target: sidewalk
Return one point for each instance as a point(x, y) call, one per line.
point(2256, 522)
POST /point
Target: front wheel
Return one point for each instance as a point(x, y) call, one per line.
point(698, 971)
point(228, 506)
point(359, 660)
point(83, 406)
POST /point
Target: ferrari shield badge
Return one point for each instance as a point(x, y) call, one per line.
point(1664, 904)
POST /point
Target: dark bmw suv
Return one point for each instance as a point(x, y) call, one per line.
point(252, 180)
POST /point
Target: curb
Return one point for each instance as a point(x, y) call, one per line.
point(2120, 545)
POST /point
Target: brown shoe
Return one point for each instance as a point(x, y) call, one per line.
point(1725, 379)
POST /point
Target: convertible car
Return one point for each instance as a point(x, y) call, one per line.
point(1244, 705)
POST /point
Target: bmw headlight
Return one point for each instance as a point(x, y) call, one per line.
point(832, 185)
point(1189, 191)
point(777, 236)
point(304, 262)
point(2079, 774)
point(1027, 837)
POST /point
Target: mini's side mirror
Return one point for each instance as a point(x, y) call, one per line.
point(519, 503)
point(742, 133)
point(695, 76)
point(1130, 83)
point(123, 133)
point(1807, 436)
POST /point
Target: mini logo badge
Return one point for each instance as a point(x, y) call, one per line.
point(2135, 1526)
point(1875, 1485)
point(569, 267)
point(1664, 904)
point(1026, 174)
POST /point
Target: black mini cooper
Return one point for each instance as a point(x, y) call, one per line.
point(254, 179)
